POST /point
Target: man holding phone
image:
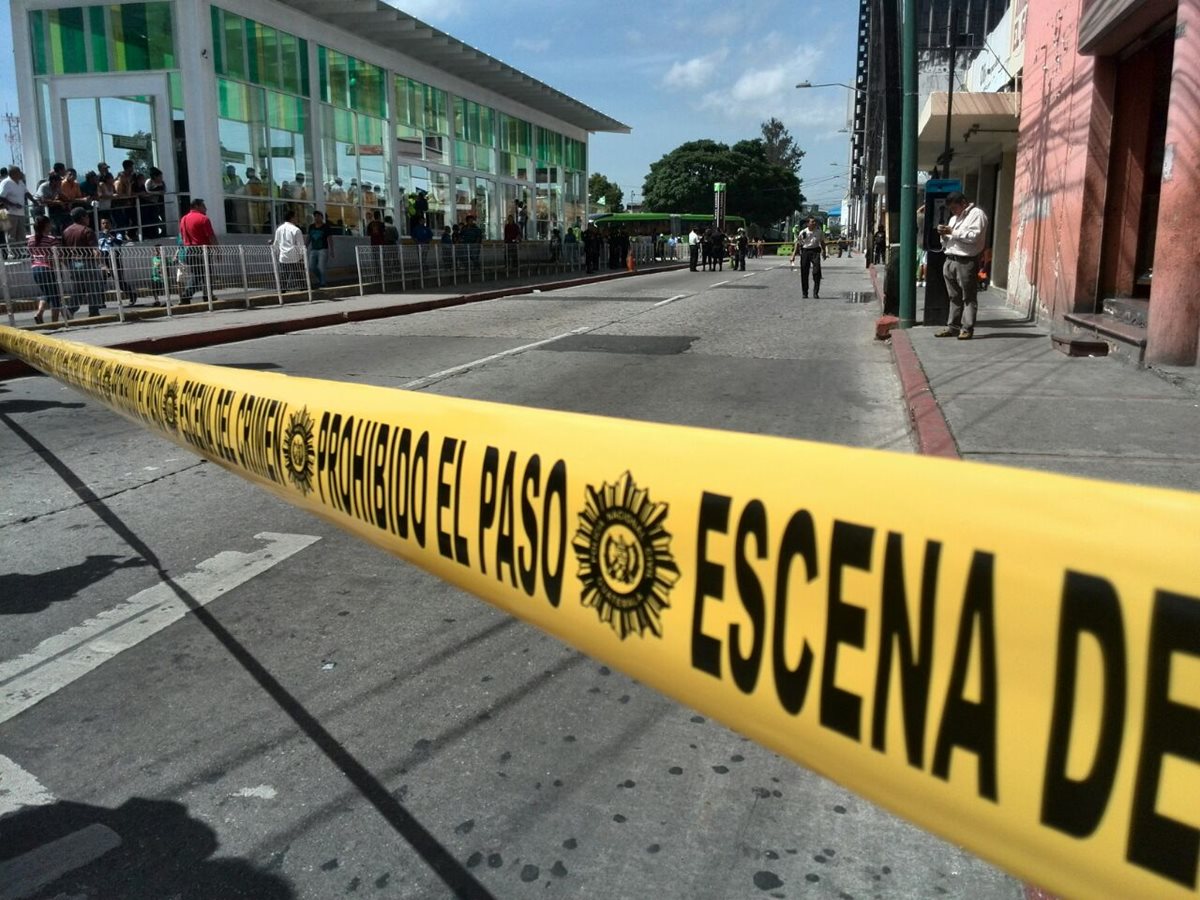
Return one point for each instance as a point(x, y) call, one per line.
point(963, 240)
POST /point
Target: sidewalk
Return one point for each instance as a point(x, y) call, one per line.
point(1009, 397)
point(1005, 397)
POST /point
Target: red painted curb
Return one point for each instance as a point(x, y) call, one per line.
point(15, 368)
point(933, 434)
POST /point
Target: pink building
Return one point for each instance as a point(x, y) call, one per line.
point(1106, 219)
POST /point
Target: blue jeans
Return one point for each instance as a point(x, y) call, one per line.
point(317, 261)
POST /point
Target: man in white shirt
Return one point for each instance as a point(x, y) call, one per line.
point(963, 240)
point(13, 195)
point(693, 248)
point(289, 249)
point(811, 244)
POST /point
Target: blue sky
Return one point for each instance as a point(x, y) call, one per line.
point(674, 71)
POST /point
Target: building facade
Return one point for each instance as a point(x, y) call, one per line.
point(348, 106)
point(1108, 171)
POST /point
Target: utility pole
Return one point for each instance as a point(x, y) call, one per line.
point(908, 166)
point(12, 129)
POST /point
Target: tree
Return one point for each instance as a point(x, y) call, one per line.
point(757, 189)
point(781, 148)
point(142, 160)
point(604, 194)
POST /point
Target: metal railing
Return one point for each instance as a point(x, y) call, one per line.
point(141, 217)
point(64, 281)
point(137, 279)
point(409, 266)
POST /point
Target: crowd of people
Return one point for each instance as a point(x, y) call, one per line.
point(62, 210)
point(132, 199)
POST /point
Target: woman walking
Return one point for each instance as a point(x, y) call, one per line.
point(41, 249)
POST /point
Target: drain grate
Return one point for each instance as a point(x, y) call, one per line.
point(665, 345)
point(859, 296)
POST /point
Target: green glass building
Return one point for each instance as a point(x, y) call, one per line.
point(351, 107)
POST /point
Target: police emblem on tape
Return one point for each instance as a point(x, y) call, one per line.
point(624, 556)
point(298, 455)
point(170, 406)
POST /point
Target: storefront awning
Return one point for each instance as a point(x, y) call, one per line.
point(982, 125)
point(383, 25)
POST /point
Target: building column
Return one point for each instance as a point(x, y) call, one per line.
point(195, 54)
point(1002, 220)
point(1174, 327)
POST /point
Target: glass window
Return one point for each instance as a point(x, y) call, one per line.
point(127, 37)
point(289, 61)
point(241, 128)
point(235, 48)
point(99, 39)
point(356, 161)
point(250, 51)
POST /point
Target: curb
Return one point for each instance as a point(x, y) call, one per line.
point(931, 431)
point(15, 368)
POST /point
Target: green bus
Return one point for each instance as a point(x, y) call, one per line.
point(651, 224)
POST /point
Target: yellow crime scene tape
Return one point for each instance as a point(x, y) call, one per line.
point(1010, 659)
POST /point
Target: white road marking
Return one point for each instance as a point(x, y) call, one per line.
point(262, 792)
point(27, 874)
point(670, 300)
point(719, 283)
point(438, 376)
point(19, 789)
point(57, 661)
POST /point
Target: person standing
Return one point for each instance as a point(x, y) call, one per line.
point(422, 236)
point(811, 242)
point(155, 210)
point(257, 208)
point(196, 233)
point(41, 246)
point(591, 248)
point(110, 246)
point(963, 240)
point(376, 231)
point(693, 240)
point(880, 246)
point(319, 240)
point(288, 245)
point(719, 242)
point(84, 255)
point(512, 237)
point(53, 205)
point(472, 236)
point(741, 245)
point(13, 196)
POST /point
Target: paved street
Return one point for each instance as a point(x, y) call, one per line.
point(207, 693)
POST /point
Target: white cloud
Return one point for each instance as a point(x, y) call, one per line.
point(696, 72)
point(538, 46)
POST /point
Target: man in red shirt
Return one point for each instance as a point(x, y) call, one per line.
point(196, 231)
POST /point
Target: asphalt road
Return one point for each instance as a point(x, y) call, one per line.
point(328, 721)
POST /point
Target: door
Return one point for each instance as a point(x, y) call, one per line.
point(111, 118)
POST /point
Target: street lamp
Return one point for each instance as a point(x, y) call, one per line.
point(849, 87)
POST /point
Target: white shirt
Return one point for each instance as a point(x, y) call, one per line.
point(289, 243)
point(12, 193)
point(693, 238)
point(812, 239)
point(968, 233)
